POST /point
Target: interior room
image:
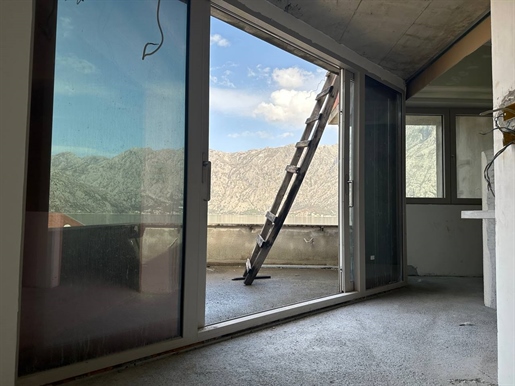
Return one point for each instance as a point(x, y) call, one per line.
point(271, 191)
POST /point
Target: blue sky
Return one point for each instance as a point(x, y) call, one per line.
point(108, 100)
point(260, 95)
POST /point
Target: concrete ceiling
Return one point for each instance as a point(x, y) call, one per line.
point(401, 36)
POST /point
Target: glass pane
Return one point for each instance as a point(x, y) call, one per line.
point(469, 145)
point(109, 278)
point(383, 239)
point(424, 156)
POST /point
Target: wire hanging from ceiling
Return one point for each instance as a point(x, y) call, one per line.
point(145, 54)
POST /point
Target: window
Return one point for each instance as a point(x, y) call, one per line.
point(383, 227)
point(443, 155)
point(424, 156)
point(103, 255)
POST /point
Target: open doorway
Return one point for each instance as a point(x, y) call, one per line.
point(260, 98)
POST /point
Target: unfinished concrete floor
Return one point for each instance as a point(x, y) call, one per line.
point(410, 336)
point(227, 299)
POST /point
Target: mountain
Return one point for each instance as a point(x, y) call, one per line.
point(135, 181)
point(151, 181)
point(421, 161)
point(247, 182)
point(142, 180)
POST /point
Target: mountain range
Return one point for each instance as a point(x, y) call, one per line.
point(142, 180)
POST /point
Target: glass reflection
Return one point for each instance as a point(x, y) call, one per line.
point(383, 237)
point(110, 276)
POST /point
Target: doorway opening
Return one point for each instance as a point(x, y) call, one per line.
point(260, 98)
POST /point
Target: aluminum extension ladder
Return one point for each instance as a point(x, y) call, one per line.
point(304, 152)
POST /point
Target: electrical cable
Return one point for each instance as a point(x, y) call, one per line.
point(489, 165)
point(503, 129)
point(145, 54)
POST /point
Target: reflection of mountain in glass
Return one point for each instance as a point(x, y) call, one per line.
point(135, 181)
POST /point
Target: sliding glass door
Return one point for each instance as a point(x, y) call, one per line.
point(103, 259)
point(260, 99)
point(383, 185)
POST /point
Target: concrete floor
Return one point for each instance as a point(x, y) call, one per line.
point(227, 299)
point(410, 336)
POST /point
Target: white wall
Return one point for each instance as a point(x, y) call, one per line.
point(439, 242)
point(15, 51)
point(503, 72)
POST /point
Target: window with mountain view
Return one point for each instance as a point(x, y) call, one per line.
point(102, 267)
point(260, 97)
point(424, 156)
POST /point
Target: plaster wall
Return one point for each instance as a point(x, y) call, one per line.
point(440, 243)
point(503, 73)
point(15, 52)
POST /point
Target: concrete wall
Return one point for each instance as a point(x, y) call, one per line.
point(503, 72)
point(439, 242)
point(295, 245)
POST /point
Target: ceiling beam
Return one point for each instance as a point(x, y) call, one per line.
point(475, 38)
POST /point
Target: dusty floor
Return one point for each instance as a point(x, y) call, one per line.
point(412, 336)
point(227, 299)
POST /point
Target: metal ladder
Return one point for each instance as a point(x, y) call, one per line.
point(304, 152)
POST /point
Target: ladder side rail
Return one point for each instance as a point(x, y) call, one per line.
point(306, 162)
point(299, 151)
point(330, 80)
point(262, 252)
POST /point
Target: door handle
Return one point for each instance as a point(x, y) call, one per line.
point(351, 193)
point(206, 179)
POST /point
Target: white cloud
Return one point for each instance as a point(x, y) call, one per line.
point(218, 40)
point(235, 102)
point(220, 75)
point(228, 64)
point(293, 77)
point(65, 26)
point(287, 106)
point(259, 72)
point(223, 80)
point(75, 87)
point(258, 134)
point(74, 63)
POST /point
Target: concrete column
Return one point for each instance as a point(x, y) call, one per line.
point(503, 72)
point(488, 236)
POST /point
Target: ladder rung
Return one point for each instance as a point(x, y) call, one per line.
point(303, 143)
point(260, 241)
point(313, 119)
point(292, 169)
point(270, 216)
point(299, 164)
point(328, 90)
